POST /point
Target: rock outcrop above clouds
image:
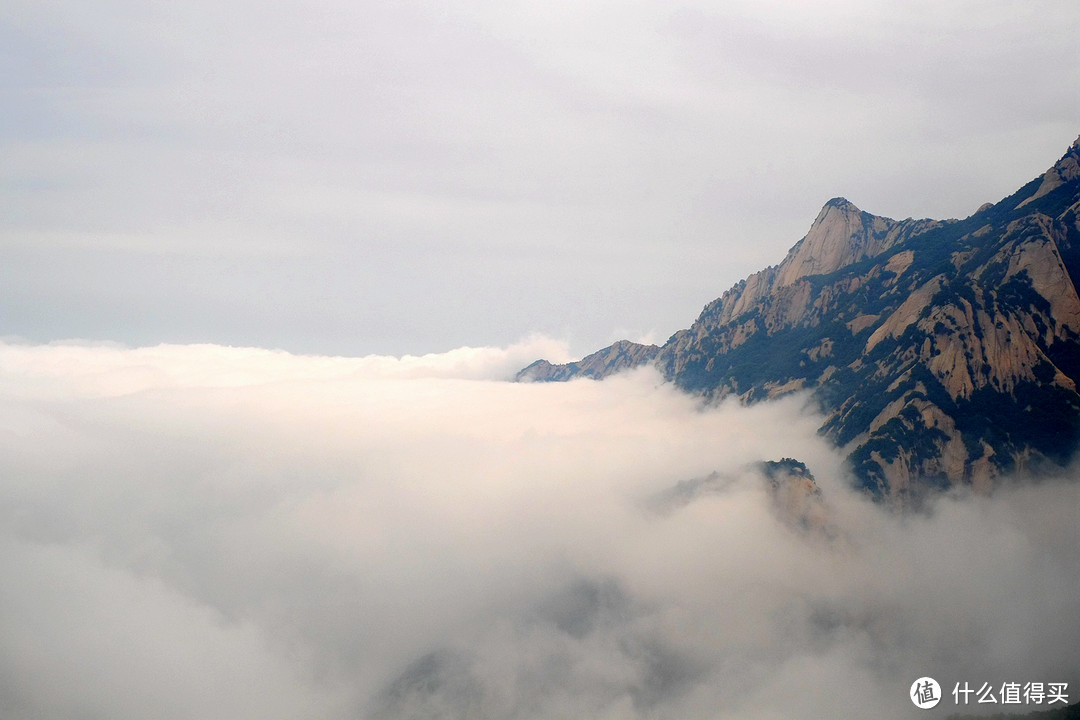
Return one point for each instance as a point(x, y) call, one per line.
point(943, 353)
point(612, 359)
point(793, 494)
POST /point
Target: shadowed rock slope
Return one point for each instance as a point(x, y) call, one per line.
point(942, 352)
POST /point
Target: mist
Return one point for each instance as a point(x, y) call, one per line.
point(213, 532)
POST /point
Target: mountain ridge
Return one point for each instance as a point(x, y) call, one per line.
point(942, 352)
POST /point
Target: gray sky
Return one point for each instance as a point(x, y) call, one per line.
point(409, 177)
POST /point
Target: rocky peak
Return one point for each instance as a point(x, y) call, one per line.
point(941, 352)
point(794, 496)
point(840, 235)
point(621, 355)
point(1064, 170)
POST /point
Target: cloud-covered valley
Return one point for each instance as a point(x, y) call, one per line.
point(212, 532)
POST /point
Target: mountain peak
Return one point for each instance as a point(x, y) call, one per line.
point(840, 235)
point(1064, 170)
point(942, 352)
point(621, 355)
point(841, 203)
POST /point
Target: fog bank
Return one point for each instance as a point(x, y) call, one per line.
point(211, 532)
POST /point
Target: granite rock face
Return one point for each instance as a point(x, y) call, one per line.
point(942, 353)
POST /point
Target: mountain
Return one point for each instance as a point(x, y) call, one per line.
point(623, 355)
point(942, 352)
point(791, 488)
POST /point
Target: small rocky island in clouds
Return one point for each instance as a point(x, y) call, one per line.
point(943, 352)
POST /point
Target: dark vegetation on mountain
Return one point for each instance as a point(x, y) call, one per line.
point(942, 353)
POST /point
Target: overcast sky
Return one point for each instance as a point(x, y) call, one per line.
point(409, 177)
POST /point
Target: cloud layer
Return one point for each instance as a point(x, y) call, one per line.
point(200, 531)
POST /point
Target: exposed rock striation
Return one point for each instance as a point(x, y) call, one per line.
point(942, 352)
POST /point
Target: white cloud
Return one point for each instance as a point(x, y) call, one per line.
point(83, 638)
point(228, 532)
point(89, 369)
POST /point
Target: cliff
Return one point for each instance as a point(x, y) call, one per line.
point(941, 352)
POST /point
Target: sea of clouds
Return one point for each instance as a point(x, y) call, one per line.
point(212, 532)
